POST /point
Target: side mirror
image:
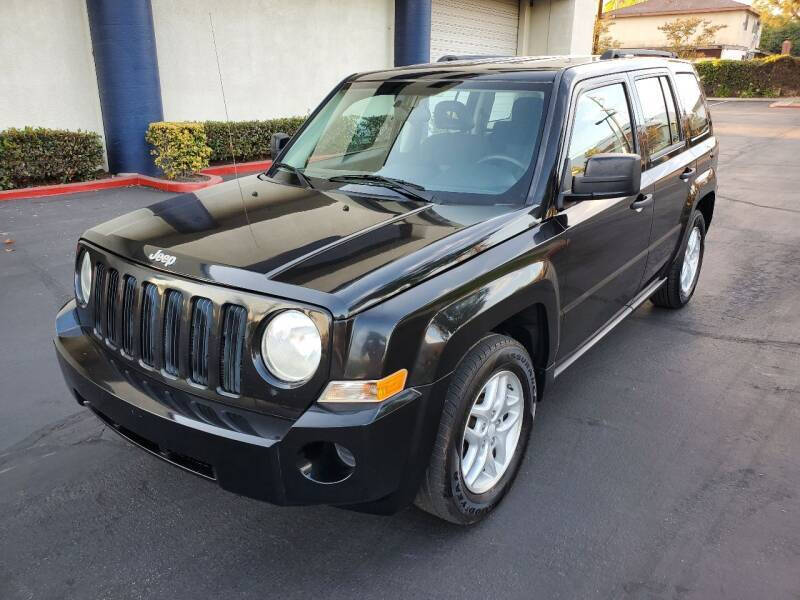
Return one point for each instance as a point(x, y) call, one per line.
point(608, 176)
point(277, 144)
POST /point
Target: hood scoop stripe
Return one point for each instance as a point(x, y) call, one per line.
point(342, 240)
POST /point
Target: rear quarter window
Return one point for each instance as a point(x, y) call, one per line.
point(691, 98)
point(657, 124)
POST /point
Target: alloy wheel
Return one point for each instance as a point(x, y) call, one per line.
point(492, 432)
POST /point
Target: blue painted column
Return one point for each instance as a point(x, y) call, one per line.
point(412, 32)
point(124, 46)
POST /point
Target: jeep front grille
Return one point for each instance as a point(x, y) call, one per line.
point(149, 323)
point(99, 290)
point(202, 314)
point(233, 330)
point(111, 307)
point(128, 316)
point(170, 330)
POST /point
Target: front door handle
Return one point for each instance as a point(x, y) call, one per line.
point(688, 173)
point(642, 201)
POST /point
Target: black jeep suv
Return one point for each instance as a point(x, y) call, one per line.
point(371, 322)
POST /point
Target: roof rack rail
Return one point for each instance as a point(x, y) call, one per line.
point(452, 57)
point(627, 52)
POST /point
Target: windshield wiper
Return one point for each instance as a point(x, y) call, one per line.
point(300, 175)
point(411, 190)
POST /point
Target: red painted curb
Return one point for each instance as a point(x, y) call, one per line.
point(177, 186)
point(123, 180)
point(247, 167)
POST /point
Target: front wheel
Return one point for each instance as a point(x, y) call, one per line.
point(684, 273)
point(485, 426)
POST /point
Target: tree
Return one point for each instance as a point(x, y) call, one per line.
point(610, 5)
point(603, 40)
point(781, 19)
point(778, 12)
point(685, 36)
point(773, 35)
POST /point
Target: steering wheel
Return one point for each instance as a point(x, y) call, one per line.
point(503, 158)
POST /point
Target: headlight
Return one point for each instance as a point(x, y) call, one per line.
point(83, 287)
point(291, 346)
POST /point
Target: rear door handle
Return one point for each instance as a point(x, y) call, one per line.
point(688, 173)
point(642, 201)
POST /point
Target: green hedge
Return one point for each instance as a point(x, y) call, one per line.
point(179, 149)
point(38, 156)
point(771, 76)
point(251, 139)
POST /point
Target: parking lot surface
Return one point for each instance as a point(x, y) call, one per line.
point(664, 464)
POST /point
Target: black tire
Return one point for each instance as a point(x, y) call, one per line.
point(670, 294)
point(443, 492)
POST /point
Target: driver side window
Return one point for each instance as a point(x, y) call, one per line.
point(602, 124)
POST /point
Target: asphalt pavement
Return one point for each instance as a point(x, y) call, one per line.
point(664, 464)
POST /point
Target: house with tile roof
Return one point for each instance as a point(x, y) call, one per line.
point(637, 26)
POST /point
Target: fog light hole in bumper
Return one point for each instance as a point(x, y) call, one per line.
point(326, 462)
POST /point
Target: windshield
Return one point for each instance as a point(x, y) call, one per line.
point(460, 142)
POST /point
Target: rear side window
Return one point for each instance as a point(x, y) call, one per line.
point(692, 101)
point(602, 124)
point(660, 122)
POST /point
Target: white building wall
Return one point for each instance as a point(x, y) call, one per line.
point(47, 67)
point(559, 27)
point(740, 29)
point(277, 58)
point(584, 13)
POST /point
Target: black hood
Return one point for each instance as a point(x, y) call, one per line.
point(359, 243)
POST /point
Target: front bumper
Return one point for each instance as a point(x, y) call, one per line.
point(261, 456)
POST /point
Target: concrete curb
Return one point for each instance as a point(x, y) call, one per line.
point(745, 99)
point(783, 102)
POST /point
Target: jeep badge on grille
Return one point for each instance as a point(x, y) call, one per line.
point(159, 256)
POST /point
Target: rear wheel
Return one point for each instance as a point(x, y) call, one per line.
point(684, 273)
point(483, 433)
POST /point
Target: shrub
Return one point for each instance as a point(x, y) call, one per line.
point(35, 156)
point(180, 149)
point(771, 76)
point(250, 139)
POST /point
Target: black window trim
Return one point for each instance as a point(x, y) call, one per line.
point(580, 88)
point(652, 160)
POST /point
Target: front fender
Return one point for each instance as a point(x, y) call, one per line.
point(461, 324)
point(428, 328)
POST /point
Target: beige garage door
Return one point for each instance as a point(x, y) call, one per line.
point(474, 27)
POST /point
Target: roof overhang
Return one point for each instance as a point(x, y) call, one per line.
point(694, 11)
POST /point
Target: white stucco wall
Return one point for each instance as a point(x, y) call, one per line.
point(559, 27)
point(644, 32)
point(277, 58)
point(46, 66)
